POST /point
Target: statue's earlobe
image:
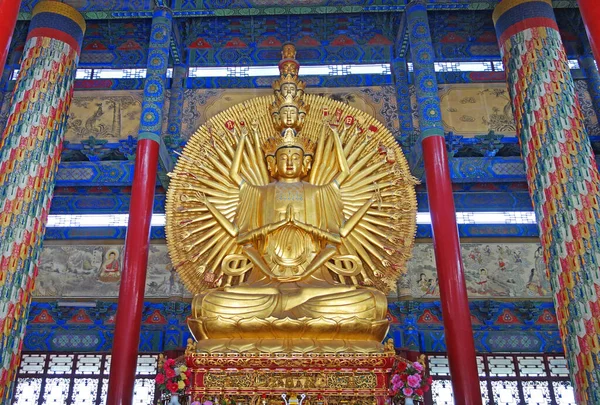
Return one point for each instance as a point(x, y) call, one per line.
point(306, 165)
point(272, 166)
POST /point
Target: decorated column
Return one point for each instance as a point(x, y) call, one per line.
point(458, 331)
point(29, 157)
point(587, 63)
point(562, 177)
point(590, 12)
point(135, 260)
point(9, 9)
point(173, 136)
point(400, 75)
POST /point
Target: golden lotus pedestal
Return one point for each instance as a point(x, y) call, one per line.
point(273, 335)
point(262, 379)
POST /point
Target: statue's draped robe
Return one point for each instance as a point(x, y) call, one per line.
point(323, 209)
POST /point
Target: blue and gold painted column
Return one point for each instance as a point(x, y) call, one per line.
point(587, 63)
point(400, 75)
point(562, 177)
point(29, 157)
point(137, 242)
point(458, 331)
point(173, 137)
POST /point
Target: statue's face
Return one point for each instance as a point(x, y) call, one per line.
point(288, 89)
point(289, 162)
point(289, 115)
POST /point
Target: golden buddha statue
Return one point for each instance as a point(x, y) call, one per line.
point(289, 238)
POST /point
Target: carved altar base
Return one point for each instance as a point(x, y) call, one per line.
point(261, 379)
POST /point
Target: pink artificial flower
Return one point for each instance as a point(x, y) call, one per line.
point(417, 366)
point(396, 378)
point(169, 362)
point(398, 386)
point(414, 380)
point(160, 378)
point(207, 403)
point(407, 391)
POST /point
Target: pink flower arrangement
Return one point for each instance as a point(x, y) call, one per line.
point(172, 379)
point(410, 380)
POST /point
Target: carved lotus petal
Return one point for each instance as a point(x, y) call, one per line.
point(241, 345)
point(212, 346)
point(379, 330)
point(288, 328)
point(197, 329)
point(357, 346)
point(271, 346)
point(333, 346)
point(221, 328)
point(255, 328)
point(355, 329)
point(322, 329)
point(303, 346)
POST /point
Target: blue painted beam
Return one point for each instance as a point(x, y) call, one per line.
point(93, 174)
point(120, 173)
point(197, 8)
point(116, 201)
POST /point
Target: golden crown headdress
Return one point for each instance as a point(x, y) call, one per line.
point(289, 139)
point(289, 92)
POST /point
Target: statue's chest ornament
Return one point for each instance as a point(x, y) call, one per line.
point(289, 192)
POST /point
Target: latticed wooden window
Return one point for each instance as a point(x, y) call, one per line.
point(508, 379)
point(77, 379)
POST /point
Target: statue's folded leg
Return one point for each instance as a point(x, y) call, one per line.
point(231, 304)
point(365, 303)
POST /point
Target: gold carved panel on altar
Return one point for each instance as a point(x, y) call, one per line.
point(291, 380)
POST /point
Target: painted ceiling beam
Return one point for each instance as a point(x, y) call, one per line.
point(116, 200)
point(462, 170)
point(399, 6)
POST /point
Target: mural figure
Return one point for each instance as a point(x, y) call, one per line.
point(483, 280)
point(534, 285)
point(110, 271)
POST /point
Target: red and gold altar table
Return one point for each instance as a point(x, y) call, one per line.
point(261, 379)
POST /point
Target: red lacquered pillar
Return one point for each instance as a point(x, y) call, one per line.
point(9, 9)
point(590, 12)
point(135, 260)
point(453, 290)
point(458, 332)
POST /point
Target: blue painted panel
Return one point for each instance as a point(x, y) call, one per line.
point(498, 326)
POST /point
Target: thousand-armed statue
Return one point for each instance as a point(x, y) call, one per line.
point(290, 216)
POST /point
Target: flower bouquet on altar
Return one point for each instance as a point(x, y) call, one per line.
point(172, 381)
point(409, 382)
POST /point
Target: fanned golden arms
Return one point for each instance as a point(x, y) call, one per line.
point(290, 217)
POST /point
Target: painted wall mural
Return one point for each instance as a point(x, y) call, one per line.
point(471, 109)
point(496, 270)
point(475, 109)
point(468, 109)
point(499, 270)
point(111, 115)
point(94, 271)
